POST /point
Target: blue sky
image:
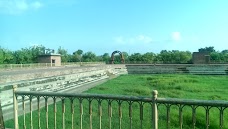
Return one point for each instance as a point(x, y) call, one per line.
point(103, 26)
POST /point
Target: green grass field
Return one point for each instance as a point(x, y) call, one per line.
point(204, 87)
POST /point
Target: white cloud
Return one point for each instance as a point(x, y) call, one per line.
point(119, 40)
point(18, 6)
point(133, 40)
point(36, 5)
point(176, 36)
point(145, 39)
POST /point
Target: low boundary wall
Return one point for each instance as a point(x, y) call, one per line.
point(54, 80)
point(212, 69)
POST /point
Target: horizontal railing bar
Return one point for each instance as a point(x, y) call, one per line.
point(215, 103)
point(95, 96)
point(173, 101)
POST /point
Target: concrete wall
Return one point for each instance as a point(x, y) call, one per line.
point(57, 60)
point(58, 80)
point(201, 57)
point(24, 75)
point(178, 68)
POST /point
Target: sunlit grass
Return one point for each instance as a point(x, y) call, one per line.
point(207, 87)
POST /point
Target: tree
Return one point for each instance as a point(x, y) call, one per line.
point(165, 56)
point(136, 57)
point(9, 58)
point(2, 57)
point(224, 52)
point(225, 55)
point(36, 51)
point(148, 57)
point(89, 57)
point(106, 57)
point(216, 57)
point(27, 55)
point(23, 56)
point(126, 56)
point(79, 52)
point(185, 56)
point(207, 49)
point(6, 56)
point(174, 56)
point(64, 54)
point(117, 59)
point(77, 55)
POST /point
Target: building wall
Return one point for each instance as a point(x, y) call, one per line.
point(57, 60)
point(49, 58)
point(200, 58)
point(44, 59)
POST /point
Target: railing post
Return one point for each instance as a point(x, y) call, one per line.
point(154, 110)
point(15, 108)
point(1, 118)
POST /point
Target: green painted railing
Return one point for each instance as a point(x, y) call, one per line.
point(1, 118)
point(114, 104)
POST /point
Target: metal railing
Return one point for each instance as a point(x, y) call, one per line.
point(1, 118)
point(107, 111)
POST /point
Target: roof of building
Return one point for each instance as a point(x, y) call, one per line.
point(50, 54)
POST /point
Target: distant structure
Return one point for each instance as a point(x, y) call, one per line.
point(201, 57)
point(49, 56)
point(121, 56)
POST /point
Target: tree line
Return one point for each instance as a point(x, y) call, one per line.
point(30, 55)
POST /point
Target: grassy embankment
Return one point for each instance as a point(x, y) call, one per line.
point(169, 86)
